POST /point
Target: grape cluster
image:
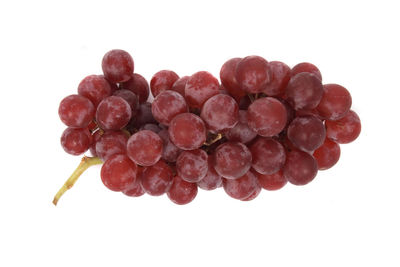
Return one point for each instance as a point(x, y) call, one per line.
point(264, 125)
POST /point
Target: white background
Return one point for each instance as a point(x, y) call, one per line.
point(348, 216)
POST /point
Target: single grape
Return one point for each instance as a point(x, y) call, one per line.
point(252, 74)
point(273, 181)
point(157, 179)
point(179, 85)
point(241, 132)
point(306, 67)
point(192, 165)
point(139, 86)
point(280, 76)
point(200, 87)
point(145, 148)
point(220, 113)
point(95, 88)
point(117, 66)
point(304, 91)
point(134, 189)
point(187, 131)
point(232, 160)
point(167, 105)
point(267, 116)
point(162, 81)
point(228, 79)
point(113, 113)
point(327, 155)
point(300, 167)
point(143, 116)
point(129, 97)
point(242, 187)
point(306, 133)
point(76, 111)
point(344, 130)
point(111, 143)
point(181, 191)
point(335, 102)
point(212, 180)
point(268, 155)
point(118, 172)
point(76, 141)
point(253, 195)
point(151, 127)
point(170, 151)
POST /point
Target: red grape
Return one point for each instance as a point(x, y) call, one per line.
point(241, 132)
point(111, 143)
point(181, 191)
point(220, 113)
point(200, 87)
point(212, 180)
point(192, 165)
point(327, 155)
point(179, 85)
point(306, 67)
point(242, 187)
point(151, 127)
point(304, 91)
point(162, 81)
point(253, 195)
point(134, 189)
point(335, 102)
point(139, 86)
point(170, 151)
point(130, 98)
point(76, 111)
point(252, 74)
point(95, 88)
point(143, 116)
point(300, 167)
point(113, 113)
point(306, 133)
point(228, 79)
point(167, 105)
point(117, 66)
point(76, 141)
point(157, 179)
point(344, 130)
point(273, 181)
point(232, 160)
point(244, 102)
point(118, 172)
point(267, 116)
point(145, 148)
point(187, 131)
point(280, 76)
point(268, 155)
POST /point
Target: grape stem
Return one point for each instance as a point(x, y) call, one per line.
point(86, 162)
point(218, 137)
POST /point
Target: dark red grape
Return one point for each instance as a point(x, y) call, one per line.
point(187, 131)
point(113, 113)
point(268, 155)
point(220, 113)
point(212, 180)
point(95, 88)
point(76, 111)
point(327, 155)
point(145, 148)
point(232, 160)
point(344, 130)
point(76, 141)
point(181, 191)
point(304, 91)
point(253, 195)
point(162, 81)
point(228, 79)
point(139, 86)
point(335, 102)
point(300, 167)
point(157, 179)
point(192, 165)
point(143, 116)
point(306, 67)
point(200, 87)
point(111, 143)
point(273, 181)
point(280, 76)
point(118, 172)
point(306, 133)
point(167, 105)
point(179, 85)
point(129, 97)
point(117, 66)
point(170, 151)
point(267, 116)
point(242, 187)
point(244, 102)
point(252, 74)
point(134, 189)
point(151, 127)
point(241, 132)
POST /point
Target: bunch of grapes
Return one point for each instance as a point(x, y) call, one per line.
point(264, 125)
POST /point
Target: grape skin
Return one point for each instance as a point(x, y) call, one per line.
point(212, 180)
point(187, 131)
point(95, 88)
point(130, 98)
point(134, 189)
point(306, 133)
point(157, 179)
point(118, 172)
point(344, 130)
point(145, 148)
point(228, 79)
point(170, 151)
point(111, 143)
point(162, 81)
point(200, 87)
point(273, 181)
point(117, 66)
point(76, 111)
point(300, 167)
point(113, 113)
point(241, 188)
point(139, 86)
point(232, 160)
point(268, 155)
point(280, 76)
point(241, 131)
point(252, 74)
point(167, 105)
point(327, 155)
point(335, 103)
point(76, 141)
point(179, 85)
point(192, 166)
point(306, 67)
point(182, 192)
